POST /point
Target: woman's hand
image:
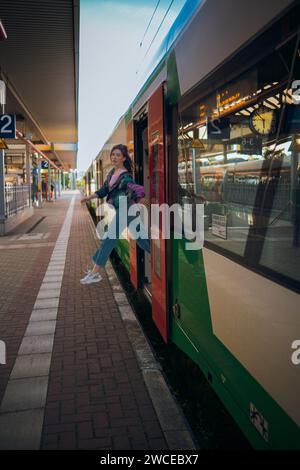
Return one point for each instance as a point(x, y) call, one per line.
point(84, 199)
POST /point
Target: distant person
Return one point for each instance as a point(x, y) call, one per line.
point(119, 183)
point(44, 190)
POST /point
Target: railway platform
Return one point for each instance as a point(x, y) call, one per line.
point(79, 372)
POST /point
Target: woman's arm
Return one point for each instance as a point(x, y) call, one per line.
point(101, 193)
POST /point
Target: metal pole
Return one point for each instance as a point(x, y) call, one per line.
point(40, 181)
point(28, 174)
point(2, 186)
point(2, 182)
point(49, 182)
point(55, 184)
point(59, 183)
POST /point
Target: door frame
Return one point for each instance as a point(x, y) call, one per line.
point(139, 126)
point(159, 194)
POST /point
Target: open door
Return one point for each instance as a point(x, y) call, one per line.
point(140, 261)
point(132, 242)
point(156, 141)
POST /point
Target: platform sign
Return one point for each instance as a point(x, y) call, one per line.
point(218, 128)
point(219, 226)
point(250, 145)
point(291, 123)
point(8, 126)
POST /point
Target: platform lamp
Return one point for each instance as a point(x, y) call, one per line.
point(3, 34)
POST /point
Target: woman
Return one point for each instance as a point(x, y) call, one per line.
point(119, 183)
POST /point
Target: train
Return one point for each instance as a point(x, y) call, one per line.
point(216, 122)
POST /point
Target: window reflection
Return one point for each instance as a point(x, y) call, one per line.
point(239, 153)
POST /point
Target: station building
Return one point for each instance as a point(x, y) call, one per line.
point(39, 56)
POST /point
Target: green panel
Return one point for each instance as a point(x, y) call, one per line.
point(173, 89)
point(128, 116)
point(231, 381)
point(122, 249)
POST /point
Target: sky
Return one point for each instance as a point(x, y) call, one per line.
point(111, 61)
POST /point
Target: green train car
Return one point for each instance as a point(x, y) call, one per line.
point(217, 122)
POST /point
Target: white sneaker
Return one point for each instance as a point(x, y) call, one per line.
point(88, 270)
point(91, 278)
point(87, 273)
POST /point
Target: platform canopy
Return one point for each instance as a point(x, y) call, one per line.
point(39, 64)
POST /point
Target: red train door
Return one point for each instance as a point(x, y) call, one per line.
point(132, 242)
point(158, 196)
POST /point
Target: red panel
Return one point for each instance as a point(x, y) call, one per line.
point(132, 243)
point(157, 194)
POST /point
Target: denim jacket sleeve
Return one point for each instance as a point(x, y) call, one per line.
point(103, 191)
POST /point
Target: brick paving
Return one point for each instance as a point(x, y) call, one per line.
point(97, 398)
point(21, 274)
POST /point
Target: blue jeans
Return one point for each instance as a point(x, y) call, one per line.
point(109, 243)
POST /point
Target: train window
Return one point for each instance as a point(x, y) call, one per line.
point(239, 154)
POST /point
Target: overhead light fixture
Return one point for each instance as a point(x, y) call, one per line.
point(3, 34)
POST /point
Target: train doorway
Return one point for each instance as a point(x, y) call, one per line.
point(148, 271)
point(143, 178)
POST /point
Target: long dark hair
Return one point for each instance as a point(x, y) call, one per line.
point(124, 150)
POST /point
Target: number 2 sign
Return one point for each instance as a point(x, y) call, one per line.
point(8, 126)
